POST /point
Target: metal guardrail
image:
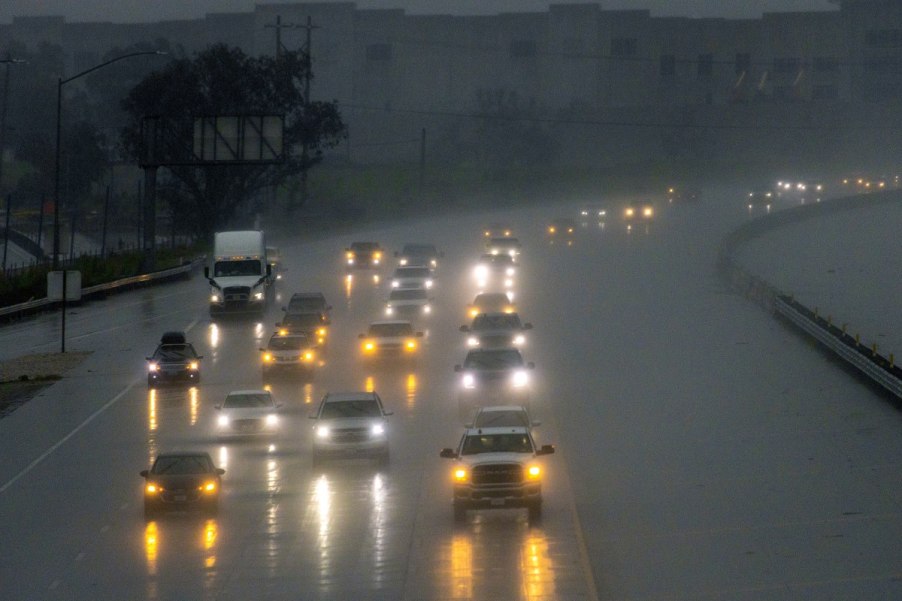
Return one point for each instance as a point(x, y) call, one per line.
point(881, 370)
point(89, 291)
point(877, 368)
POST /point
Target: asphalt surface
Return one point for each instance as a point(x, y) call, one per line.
point(703, 450)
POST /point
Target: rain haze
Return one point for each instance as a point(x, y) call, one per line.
point(511, 300)
point(140, 10)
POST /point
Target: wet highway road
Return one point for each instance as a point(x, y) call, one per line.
point(703, 450)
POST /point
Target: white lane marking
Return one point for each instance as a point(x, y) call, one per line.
point(90, 418)
point(60, 443)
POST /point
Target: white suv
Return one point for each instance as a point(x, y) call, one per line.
point(350, 424)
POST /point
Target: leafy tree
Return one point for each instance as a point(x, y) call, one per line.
point(224, 81)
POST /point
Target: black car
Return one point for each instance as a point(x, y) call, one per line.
point(315, 326)
point(308, 302)
point(174, 360)
point(419, 254)
point(182, 481)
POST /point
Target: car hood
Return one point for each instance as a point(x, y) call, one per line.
point(350, 422)
point(187, 481)
point(415, 302)
point(247, 412)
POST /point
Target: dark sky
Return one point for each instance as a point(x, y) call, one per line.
point(154, 10)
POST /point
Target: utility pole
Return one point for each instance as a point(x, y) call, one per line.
point(305, 155)
point(279, 26)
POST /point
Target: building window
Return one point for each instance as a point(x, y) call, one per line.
point(573, 47)
point(825, 64)
point(824, 93)
point(378, 52)
point(787, 65)
point(705, 66)
point(624, 47)
point(743, 62)
point(523, 48)
point(883, 38)
point(668, 66)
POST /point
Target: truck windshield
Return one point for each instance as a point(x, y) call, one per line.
point(224, 269)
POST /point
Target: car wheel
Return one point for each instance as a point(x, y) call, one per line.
point(535, 512)
point(460, 512)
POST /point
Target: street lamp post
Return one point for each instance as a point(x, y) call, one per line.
point(56, 169)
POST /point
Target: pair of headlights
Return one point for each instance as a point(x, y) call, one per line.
point(462, 475)
point(326, 431)
point(271, 419)
point(154, 367)
point(519, 379)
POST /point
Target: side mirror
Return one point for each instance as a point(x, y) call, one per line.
point(220, 471)
point(547, 449)
point(464, 328)
point(530, 365)
point(207, 272)
point(527, 326)
point(388, 413)
point(458, 369)
point(447, 454)
point(144, 473)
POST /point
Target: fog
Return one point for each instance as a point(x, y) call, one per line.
point(139, 10)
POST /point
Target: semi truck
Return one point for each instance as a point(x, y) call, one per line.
point(240, 274)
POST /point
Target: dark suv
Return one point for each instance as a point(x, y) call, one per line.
point(363, 255)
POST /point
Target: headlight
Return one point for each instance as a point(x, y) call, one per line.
point(369, 346)
point(309, 356)
point(648, 212)
point(395, 283)
point(350, 260)
point(377, 255)
point(271, 419)
point(629, 212)
point(510, 271)
point(403, 262)
point(469, 381)
point(481, 271)
point(194, 366)
point(533, 472)
point(474, 311)
point(551, 229)
point(153, 366)
point(267, 357)
point(519, 339)
point(472, 341)
point(377, 430)
point(321, 332)
point(209, 487)
point(433, 262)
point(461, 475)
point(350, 257)
point(429, 283)
point(410, 345)
point(283, 332)
point(427, 309)
point(520, 379)
point(322, 432)
point(214, 298)
point(223, 420)
point(389, 310)
point(258, 296)
point(152, 488)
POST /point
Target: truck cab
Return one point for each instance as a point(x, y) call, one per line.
point(240, 275)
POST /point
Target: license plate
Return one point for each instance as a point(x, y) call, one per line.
point(497, 502)
point(181, 498)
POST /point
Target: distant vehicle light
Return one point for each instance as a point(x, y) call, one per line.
point(427, 309)
point(271, 419)
point(152, 366)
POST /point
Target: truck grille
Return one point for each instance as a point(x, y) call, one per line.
point(351, 435)
point(235, 294)
point(503, 473)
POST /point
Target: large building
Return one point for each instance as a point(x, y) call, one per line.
point(385, 65)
